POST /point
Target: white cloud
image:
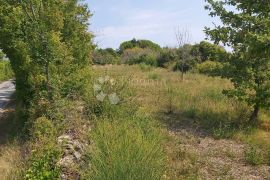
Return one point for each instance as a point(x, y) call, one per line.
point(150, 24)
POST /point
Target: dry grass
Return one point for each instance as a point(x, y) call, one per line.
point(10, 161)
point(11, 158)
point(197, 103)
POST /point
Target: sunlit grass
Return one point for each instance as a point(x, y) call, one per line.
point(197, 99)
point(127, 148)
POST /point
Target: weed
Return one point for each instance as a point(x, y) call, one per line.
point(255, 156)
point(153, 76)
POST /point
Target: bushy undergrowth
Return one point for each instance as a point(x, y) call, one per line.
point(211, 68)
point(5, 71)
point(139, 56)
point(45, 152)
point(125, 143)
point(255, 155)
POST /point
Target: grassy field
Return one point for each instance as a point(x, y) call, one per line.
point(194, 111)
point(162, 128)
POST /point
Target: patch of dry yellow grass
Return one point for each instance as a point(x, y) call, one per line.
point(10, 162)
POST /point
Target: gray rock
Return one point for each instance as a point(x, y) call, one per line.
point(77, 155)
point(67, 161)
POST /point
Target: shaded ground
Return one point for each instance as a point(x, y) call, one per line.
point(197, 155)
point(10, 150)
point(7, 89)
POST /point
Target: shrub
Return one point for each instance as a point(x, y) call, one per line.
point(45, 153)
point(105, 56)
point(256, 156)
point(43, 128)
point(43, 164)
point(139, 56)
point(211, 68)
point(143, 44)
point(166, 57)
point(207, 51)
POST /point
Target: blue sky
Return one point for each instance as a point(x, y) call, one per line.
point(115, 21)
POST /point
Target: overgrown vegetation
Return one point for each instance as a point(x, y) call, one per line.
point(124, 121)
point(5, 70)
point(205, 57)
point(198, 102)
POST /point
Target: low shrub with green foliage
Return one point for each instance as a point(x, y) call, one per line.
point(167, 56)
point(256, 156)
point(43, 164)
point(139, 56)
point(45, 152)
point(5, 70)
point(211, 68)
point(105, 56)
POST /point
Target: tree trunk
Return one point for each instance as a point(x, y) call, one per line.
point(182, 76)
point(254, 116)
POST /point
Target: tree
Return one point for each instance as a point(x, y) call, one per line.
point(246, 28)
point(207, 51)
point(166, 57)
point(144, 44)
point(46, 42)
point(184, 50)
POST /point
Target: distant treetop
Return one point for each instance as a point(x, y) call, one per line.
point(140, 44)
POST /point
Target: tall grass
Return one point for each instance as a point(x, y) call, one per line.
point(197, 100)
point(128, 148)
point(127, 143)
point(5, 70)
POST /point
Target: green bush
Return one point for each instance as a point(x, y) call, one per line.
point(128, 148)
point(166, 57)
point(45, 153)
point(143, 44)
point(139, 56)
point(256, 156)
point(43, 127)
point(105, 56)
point(42, 165)
point(211, 68)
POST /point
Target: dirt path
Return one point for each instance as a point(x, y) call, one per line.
point(7, 88)
point(10, 150)
point(194, 152)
